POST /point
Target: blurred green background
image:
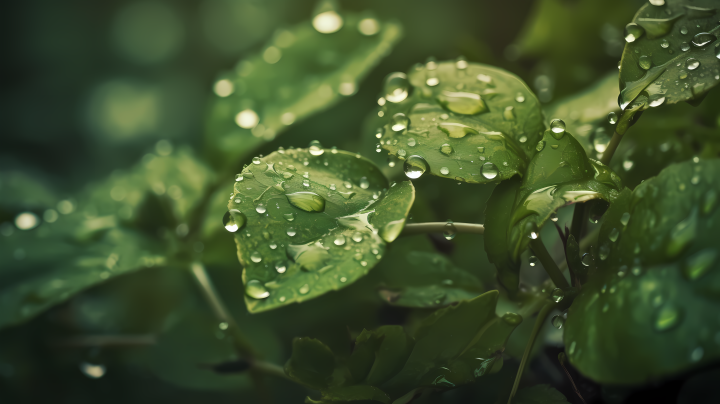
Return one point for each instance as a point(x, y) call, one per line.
point(91, 87)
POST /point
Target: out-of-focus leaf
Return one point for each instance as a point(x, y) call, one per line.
point(19, 191)
point(498, 213)
point(308, 224)
point(312, 363)
point(193, 346)
point(559, 175)
point(466, 121)
point(454, 345)
point(671, 53)
point(299, 72)
point(540, 394)
point(650, 309)
point(427, 280)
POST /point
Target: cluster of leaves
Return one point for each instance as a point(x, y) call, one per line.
point(310, 221)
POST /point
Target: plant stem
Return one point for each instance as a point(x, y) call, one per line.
point(549, 264)
point(439, 227)
point(610, 149)
point(269, 368)
point(584, 245)
point(539, 322)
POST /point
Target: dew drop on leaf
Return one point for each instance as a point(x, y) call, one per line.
point(463, 102)
point(645, 62)
point(614, 234)
point(664, 43)
point(291, 231)
point(699, 264)
point(612, 118)
point(449, 231)
point(667, 317)
point(400, 122)
point(692, 63)
point(444, 170)
point(396, 87)
point(234, 220)
point(446, 149)
point(307, 201)
point(633, 32)
point(255, 257)
point(489, 170)
point(281, 267)
point(256, 290)
point(339, 240)
point(540, 145)
point(557, 126)
point(415, 167)
point(316, 148)
point(532, 260)
point(557, 295)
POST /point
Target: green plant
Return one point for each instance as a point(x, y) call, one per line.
point(641, 302)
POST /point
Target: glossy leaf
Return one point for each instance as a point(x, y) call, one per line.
point(498, 213)
point(650, 309)
point(667, 58)
point(540, 394)
point(427, 280)
point(453, 346)
point(309, 224)
point(300, 71)
point(468, 121)
point(559, 175)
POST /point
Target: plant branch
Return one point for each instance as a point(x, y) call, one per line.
point(585, 243)
point(439, 227)
point(549, 264)
point(539, 322)
point(610, 149)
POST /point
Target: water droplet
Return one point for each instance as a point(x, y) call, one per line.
point(256, 290)
point(489, 170)
point(392, 230)
point(683, 30)
point(512, 318)
point(27, 221)
point(692, 64)
point(255, 257)
point(682, 234)
point(357, 237)
point(586, 259)
point(316, 148)
point(558, 321)
point(307, 201)
point(612, 118)
point(633, 32)
point(532, 260)
point(463, 102)
point(625, 218)
point(238, 177)
point(487, 80)
point(600, 139)
point(456, 130)
point(709, 200)
point(520, 97)
point(327, 22)
point(446, 149)
point(400, 122)
point(280, 267)
point(667, 317)
point(347, 185)
point(256, 160)
point(247, 119)
point(444, 171)
point(699, 263)
point(682, 74)
point(364, 183)
point(604, 251)
point(396, 87)
point(449, 231)
point(234, 220)
point(415, 166)
point(656, 101)
point(554, 217)
point(339, 239)
point(645, 62)
point(664, 43)
point(260, 208)
point(411, 142)
point(289, 216)
point(613, 235)
point(684, 46)
point(508, 113)
point(291, 231)
point(540, 145)
point(557, 295)
point(557, 126)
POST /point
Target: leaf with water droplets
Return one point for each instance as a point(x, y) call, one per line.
point(464, 112)
point(308, 71)
point(649, 310)
point(452, 346)
point(661, 65)
point(559, 175)
point(337, 234)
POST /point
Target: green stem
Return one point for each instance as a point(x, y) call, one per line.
point(585, 243)
point(610, 149)
point(539, 322)
point(549, 264)
point(439, 227)
point(269, 368)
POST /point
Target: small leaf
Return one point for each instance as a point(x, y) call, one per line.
point(671, 54)
point(298, 248)
point(498, 213)
point(297, 73)
point(379, 354)
point(649, 311)
point(466, 121)
point(312, 363)
point(430, 280)
point(540, 394)
point(559, 175)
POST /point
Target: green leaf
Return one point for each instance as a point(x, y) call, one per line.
point(559, 175)
point(312, 221)
point(454, 345)
point(661, 63)
point(498, 213)
point(310, 71)
point(20, 191)
point(540, 394)
point(355, 393)
point(473, 123)
point(650, 309)
point(312, 363)
point(430, 280)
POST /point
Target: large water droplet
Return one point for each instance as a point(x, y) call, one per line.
point(281, 267)
point(255, 257)
point(456, 130)
point(614, 234)
point(260, 208)
point(396, 87)
point(645, 62)
point(256, 290)
point(557, 126)
point(512, 318)
point(600, 139)
point(364, 183)
point(692, 64)
point(462, 102)
point(291, 231)
point(357, 237)
point(668, 317)
point(682, 234)
point(625, 218)
point(612, 118)
point(684, 46)
point(316, 148)
point(339, 240)
point(540, 145)
point(558, 321)
point(699, 263)
point(234, 220)
point(633, 32)
point(415, 166)
point(400, 122)
point(27, 221)
point(664, 44)
point(557, 295)
point(446, 149)
point(532, 260)
point(703, 39)
point(449, 230)
point(604, 251)
point(489, 170)
point(307, 201)
point(444, 170)
point(509, 114)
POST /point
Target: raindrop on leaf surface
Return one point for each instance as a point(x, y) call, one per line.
point(489, 170)
point(316, 148)
point(557, 126)
point(396, 87)
point(612, 118)
point(307, 201)
point(400, 122)
point(415, 167)
point(234, 220)
point(633, 32)
point(256, 290)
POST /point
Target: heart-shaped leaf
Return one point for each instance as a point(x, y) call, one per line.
point(299, 72)
point(466, 121)
point(651, 308)
point(560, 174)
point(671, 53)
point(308, 221)
point(453, 346)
